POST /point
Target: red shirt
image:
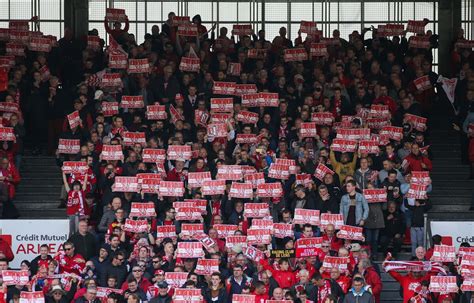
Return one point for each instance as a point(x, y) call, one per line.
point(76, 203)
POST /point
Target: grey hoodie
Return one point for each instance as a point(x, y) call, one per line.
point(363, 297)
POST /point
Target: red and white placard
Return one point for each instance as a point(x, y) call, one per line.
point(377, 123)
point(179, 152)
point(19, 25)
point(74, 119)
point(279, 171)
point(171, 189)
point(260, 100)
point(307, 247)
point(118, 61)
point(353, 133)
point(150, 185)
point(111, 153)
point(255, 179)
point(335, 262)
point(132, 138)
point(269, 190)
point(207, 266)
point(234, 69)
point(111, 80)
point(225, 230)
point(32, 297)
point(418, 122)
point(110, 109)
point(220, 117)
point(15, 277)
point(443, 284)
point(283, 230)
point(15, 49)
point(138, 66)
point(295, 54)
point(262, 224)
point(369, 146)
point(335, 219)
point(166, 231)
point(93, 42)
point(132, 102)
point(153, 155)
point(343, 145)
point(104, 292)
point(223, 88)
point(20, 36)
point(321, 171)
point(75, 167)
point(213, 187)
point(243, 89)
point(318, 50)
point(4, 34)
point(242, 29)
point(392, 132)
point(196, 179)
point(7, 61)
point(308, 27)
point(189, 250)
point(468, 284)
point(115, 14)
point(188, 30)
point(444, 253)
point(375, 195)
point(246, 139)
point(231, 241)
point(222, 105)
point(192, 230)
point(241, 190)
point(199, 203)
point(379, 111)
point(10, 107)
point(142, 209)
point(125, 184)
point(70, 146)
point(40, 44)
point(256, 210)
point(306, 216)
point(417, 191)
point(331, 41)
point(303, 179)
point(190, 64)
point(420, 177)
point(188, 214)
point(308, 130)
point(136, 226)
point(247, 117)
point(422, 83)
point(322, 118)
point(177, 20)
point(156, 112)
point(419, 42)
point(217, 130)
point(243, 298)
point(176, 279)
point(229, 172)
point(351, 233)
point(288, 162)
point(415, 26)
point(258, 236)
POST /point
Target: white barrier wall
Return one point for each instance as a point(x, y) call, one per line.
point(457, 231)
point(27, 236)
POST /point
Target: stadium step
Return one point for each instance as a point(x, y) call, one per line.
point(38, 192)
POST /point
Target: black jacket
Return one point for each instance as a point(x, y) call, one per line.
point(120, 272)
point(86, 245)
point(222, 297)
point(160, 299)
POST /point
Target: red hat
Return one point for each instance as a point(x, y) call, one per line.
point(159, 272)
point(178, 97)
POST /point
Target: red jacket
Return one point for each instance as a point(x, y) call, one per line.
point(408, 283)
point(144, 284)
point(12, 172)
point(345, 282)
point(336, 243)
point(74, 264)
point(261, 298)
point(414, 163)
point(6, 250)
point(373, 279)
point(285, 279)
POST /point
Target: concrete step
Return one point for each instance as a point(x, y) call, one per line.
point(450, 201)
point(38, 205)
point(44, 214)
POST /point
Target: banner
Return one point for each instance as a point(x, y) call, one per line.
point(125, 184)
point(188, 64)
point(166, 231)
point(455, 232)
point(334, 219)
point(223, 88)
point(132, 102)
point(247, 117)
point(26, 237)
point(189, 250)
point(417, 27)
point(258, 236)
point(115, 14)
point(444, 253)
point(256, 210)
point(413, 266)
point(110, 109)
point(308, 130)
point(225, 230)
point(306, 216)
point(243, 298)
point(179, 152)
point(74, 167)
point(31, 297)
point(7, 134)
point(279, 171)
point(351, 233)
point(444, 284)
point(229, 172)
point(142, 209)
point(153, 155)
point(335, 262)
point(322, 118)
point(449, 87)
point(176, 279)
point(321, 171)
point(136, 226)
point(69, 146)
point(243, 89)
point(207, 266)
point(282, 230)
point(343, 145)
point(171, 189)
point(295, 54)
point(196, 179)
point(138, 66)
point(213, 187)
point(269, 190)
point(375, 195)
point(242, 29)
point(223, 105)
point(15, 277)
point(231, 241)
point(156, 112)
point(241, 190)
point(308, 247)
point(93, 42)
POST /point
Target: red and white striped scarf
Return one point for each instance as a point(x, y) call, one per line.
point(413, 266)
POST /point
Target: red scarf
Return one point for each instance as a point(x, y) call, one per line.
point(75, 203)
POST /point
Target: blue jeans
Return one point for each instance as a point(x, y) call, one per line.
point(417, 237)
point(372, 238)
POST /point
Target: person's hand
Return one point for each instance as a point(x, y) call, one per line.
point(398, 236)
point(390, 217)
point(361, 223)
point(423, 165)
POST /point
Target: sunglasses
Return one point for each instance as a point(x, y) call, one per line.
point(120, 259)
point(68, 249)
point(137, 270)
point(155, 261)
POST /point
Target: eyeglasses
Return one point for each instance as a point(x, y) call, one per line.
point(137, 270)
point(120, 259)
point(155, 261)
point(67, 249)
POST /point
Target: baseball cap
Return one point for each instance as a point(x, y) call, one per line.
point(163, 284)
point(159, 272)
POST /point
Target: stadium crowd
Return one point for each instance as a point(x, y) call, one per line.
point(329, 136)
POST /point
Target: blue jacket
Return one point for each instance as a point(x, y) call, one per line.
point(361, 211)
